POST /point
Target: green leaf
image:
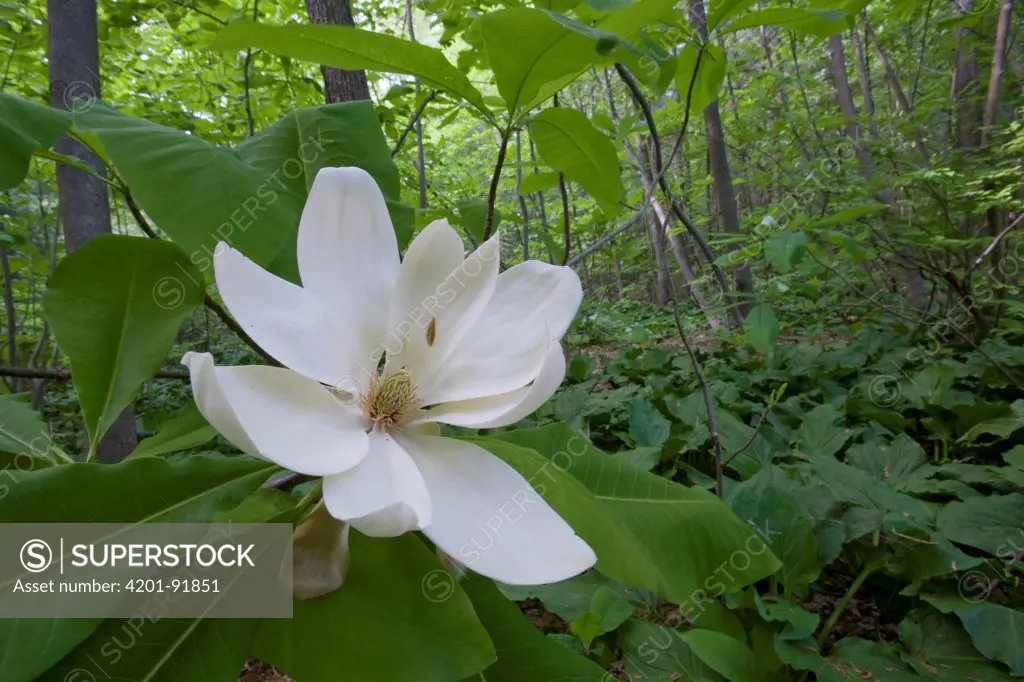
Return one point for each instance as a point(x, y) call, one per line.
point(191, 490)
point(992, 523)
point(25, 437)
point(538, 182)
point(160, 650)
point(769, 500)
point(198, 193)
point(646, 530)
point(523, 652)
point(709, 78)
point(724, 10)
point(820, 23)
point(643, 458)
point(115, 306)
point(473, 217)
point(569, 142)
point(655, 652)
point(647, 426)
point(608, 610)
point(785, 249)
point(185, 430)
point(534, 54)
point(728, 657)
point(297, 146)
point(799, 623)
point(396, 598)
point(761, 328)
point(896, 462)
point(26, 127)
point(819, 435)
point(352, 49)
point(994, 629)
point(938, 648)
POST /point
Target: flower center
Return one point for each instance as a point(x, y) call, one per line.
point(391, 402)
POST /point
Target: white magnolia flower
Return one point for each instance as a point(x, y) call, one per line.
point(460, 344)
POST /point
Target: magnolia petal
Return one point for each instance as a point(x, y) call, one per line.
point(348, 254)
point(433, 255)
point(507, 408)
point(319, 555)
point(533, 304)
point(489, 518)
point(278, 414)
point(437, 300)
point(285, 320)
point(384, 496)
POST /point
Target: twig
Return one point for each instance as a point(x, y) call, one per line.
point(208, 301)
point(412, 122)
point(677, 209)
point(492, 193)
point(245, 74)
point(705, 390)
point(757, 427)
point(65, 375)
point(991, 247)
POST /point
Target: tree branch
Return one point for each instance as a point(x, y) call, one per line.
point(412, 122)
point(208, 301)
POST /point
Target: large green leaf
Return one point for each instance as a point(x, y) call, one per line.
point(850, 658)
point(820, 23)
point(938, 648)
point(115, 306)
point(647, 426)
point(819, 434)
point(725, 655)
point(187, 429)
point(569, 142)
point(723, 10)
point(198, 193)
point(646, 530)
point(399, 616)
point(997, 631)
point(297, 146)
point(895, 462)
point(26, 127)
point(769, 500)
point(534, 53)
point(655, 652)
point(25, 441)
point(160, 650)
point(352, 49)
point(993, 524)
point(523, 652)
point(710, 75)
point(785, 249)
point(192, 490)
point(761, 328)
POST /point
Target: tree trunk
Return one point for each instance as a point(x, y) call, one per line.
point(661, 283)
point(864, 75)
point(339, 85)
point(844, 97)
point(998, 66)
point(969, 115)
point(721, 174)
point(83, 203)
